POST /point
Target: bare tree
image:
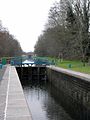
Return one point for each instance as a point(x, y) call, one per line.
point(68, 30)
point(9, 46)
point(82, 11)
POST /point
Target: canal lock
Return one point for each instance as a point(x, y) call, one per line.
point(69, 93)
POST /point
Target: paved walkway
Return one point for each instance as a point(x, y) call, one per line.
point(16, 107)
point(80, 75)
point(3, 92)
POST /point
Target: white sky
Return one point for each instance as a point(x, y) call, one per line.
point(25, 19)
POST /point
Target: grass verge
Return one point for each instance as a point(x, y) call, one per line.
point(73, 65)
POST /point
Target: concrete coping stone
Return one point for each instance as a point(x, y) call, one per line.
point(80, 75)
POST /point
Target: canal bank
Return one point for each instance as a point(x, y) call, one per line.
point(12, 102)
point(3, 90)
point(75, 88)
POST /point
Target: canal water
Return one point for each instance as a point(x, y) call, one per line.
point(44, 102)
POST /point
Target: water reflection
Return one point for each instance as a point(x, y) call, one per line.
point(43, 102)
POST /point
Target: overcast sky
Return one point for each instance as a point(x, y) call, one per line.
point(25, 19)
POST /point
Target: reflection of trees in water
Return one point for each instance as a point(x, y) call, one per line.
point(51, 101)
point(76, 110)
point(53, 106)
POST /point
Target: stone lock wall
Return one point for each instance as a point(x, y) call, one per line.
point(76, 92)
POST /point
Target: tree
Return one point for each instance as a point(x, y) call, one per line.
point(81, 8)
point(67, 31)
point(9, 46)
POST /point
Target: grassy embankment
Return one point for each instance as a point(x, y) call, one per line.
point(73, 65)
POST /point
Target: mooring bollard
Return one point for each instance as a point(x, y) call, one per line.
point(12, 63)
point(1, 66)
point(69, 65)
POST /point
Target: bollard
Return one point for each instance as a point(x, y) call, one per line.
point(12, 63)
point(4, 61)
point(70, 65)
point(0, 66)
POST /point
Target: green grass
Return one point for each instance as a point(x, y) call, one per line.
point(73, 65)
